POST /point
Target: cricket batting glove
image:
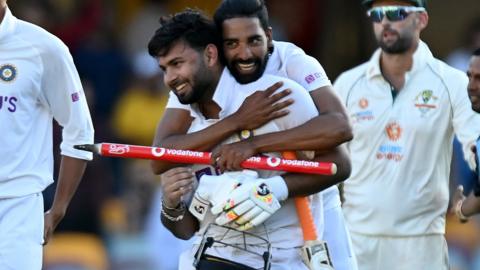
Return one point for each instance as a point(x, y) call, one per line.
point(214, 189)
point(251, 204)
point(315, 255)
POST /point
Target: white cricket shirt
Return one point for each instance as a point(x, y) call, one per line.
point(289, 61)
point(38, 82)
point(282, 228)
point(402, 147)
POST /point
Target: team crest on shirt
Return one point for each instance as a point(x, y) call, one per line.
point(425, 101)
point(8, 73)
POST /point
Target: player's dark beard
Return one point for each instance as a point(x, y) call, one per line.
point(400, 46)
point(201, 82)
point(248, 78)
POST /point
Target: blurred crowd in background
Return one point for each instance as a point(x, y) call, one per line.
point(114, 218)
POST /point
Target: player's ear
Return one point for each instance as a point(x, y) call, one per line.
point(269, 34)
point(211, 55)
point(422, 20)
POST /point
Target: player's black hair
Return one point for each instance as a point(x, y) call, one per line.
point(476, 52)
point(191, 26)
point(229, 9)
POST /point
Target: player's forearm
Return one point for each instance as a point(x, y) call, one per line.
point(69, 177)
point(320, 133)
point(203, 140)
point(307, 184)
point(183, 229)
point(471, 205)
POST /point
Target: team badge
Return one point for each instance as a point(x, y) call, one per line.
point(8, 73)
point(394, 131)
point(425, 101)
point(245, 134)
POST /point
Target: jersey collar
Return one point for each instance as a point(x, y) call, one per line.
point(7, 25)
point(421, 57)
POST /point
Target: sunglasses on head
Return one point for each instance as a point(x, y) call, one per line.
point(393, 13)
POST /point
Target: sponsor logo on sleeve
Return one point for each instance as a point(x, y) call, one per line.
point(75, 97)
point(312, 77)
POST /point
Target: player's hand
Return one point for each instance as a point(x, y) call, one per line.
point(228, 157)
point(247, 206)
point(214, 189)
point(457, 200)
point(51, 220)
point(261, 107)
point(175, 184)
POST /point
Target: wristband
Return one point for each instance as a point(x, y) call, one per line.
point(172, 218)
point(278, 187)
point(176, 208)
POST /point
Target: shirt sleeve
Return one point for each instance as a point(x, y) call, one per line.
point(302, 109)
point(63, 93)
point(306, 71)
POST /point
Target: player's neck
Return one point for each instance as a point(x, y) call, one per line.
point(394, 66)
point(210, 109)
point(3, 10)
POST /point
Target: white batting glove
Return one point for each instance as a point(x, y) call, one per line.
point(251, 204)
point(214, 189)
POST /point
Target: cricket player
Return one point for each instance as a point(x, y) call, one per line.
point(38, 83)
point(406, 107)
point(184, 46)
point(249, 52)
point(462, 206)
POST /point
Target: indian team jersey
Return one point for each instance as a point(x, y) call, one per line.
point(289, 61)
point(38, 82)
point(402, 146)
point(282, 229)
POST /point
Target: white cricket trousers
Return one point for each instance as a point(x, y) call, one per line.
point(338, 239)
point(423, 252)
point(21, 232)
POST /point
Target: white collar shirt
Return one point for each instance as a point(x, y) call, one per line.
point(282, 228)
point(402, 147)
point(38, 83)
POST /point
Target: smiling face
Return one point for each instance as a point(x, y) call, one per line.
point(474, 82)
point(396, 37)
point(245, 47)
point(185, 72)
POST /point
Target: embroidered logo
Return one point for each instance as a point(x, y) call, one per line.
point(8, 73)
point(425, 101)
point(394, 131)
